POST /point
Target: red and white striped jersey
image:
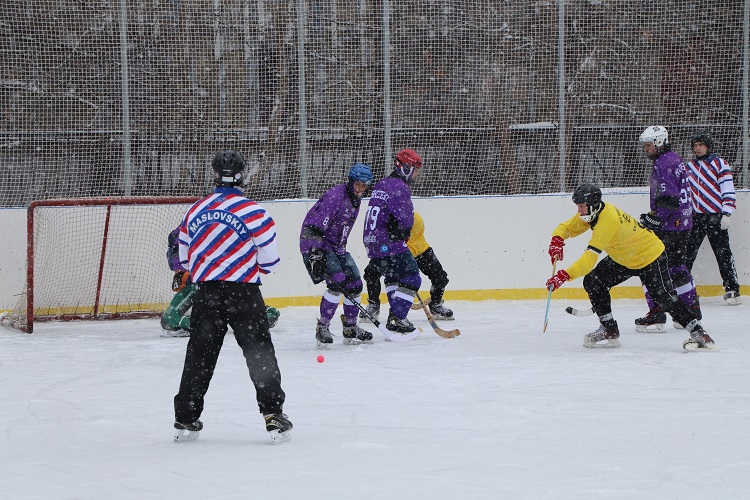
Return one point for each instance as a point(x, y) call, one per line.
point(712, 185)
point(227, 237)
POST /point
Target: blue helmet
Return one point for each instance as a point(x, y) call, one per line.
point(360, 172)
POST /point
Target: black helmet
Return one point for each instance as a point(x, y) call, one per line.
point(228, 167)
point(704, 137)
point(592, 197)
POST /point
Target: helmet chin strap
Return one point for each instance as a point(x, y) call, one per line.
point(593, 212)
point(408, 176)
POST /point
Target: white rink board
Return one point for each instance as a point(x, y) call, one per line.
point(484, 243)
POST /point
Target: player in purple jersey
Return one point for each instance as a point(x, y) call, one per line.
point(322, 242)
point(671, 218)
point(226, 242)
point(714, 201)
point(388, 223)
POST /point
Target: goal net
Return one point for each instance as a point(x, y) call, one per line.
point(500, 97)
point(97, 259)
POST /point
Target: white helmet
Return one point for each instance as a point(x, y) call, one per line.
point(657, 135)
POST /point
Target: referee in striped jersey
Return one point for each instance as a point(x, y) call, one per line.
point(226, 242)
point(714, 200)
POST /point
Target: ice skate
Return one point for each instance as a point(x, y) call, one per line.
point(187, 432)
point(607, 331)
point(179, 332)
point(653, 322)
point(323, 336)
point(399, 326)
point(279, 427)
point(354, 335)
point(439, 311)
point(732, 298)
point(699, 341)
point(373, 308)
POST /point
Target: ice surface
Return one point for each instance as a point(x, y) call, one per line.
point(503, 411)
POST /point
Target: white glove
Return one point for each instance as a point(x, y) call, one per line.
point(724, 222)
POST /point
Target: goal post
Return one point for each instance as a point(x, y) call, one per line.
point(97, 258)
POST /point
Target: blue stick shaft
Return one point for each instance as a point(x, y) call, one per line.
point(549, 298)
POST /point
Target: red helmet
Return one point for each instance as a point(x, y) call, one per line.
point(408, 157)
point(406, 161)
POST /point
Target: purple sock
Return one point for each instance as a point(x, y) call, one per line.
point(399, 302)
point(328, 307)
point(350, 311)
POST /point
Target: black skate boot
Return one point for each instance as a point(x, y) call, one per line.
point(373, 308)
point(399, 325)
point(187, 432)
point(323, 336)
point(354, 335)
point(653, 322)
point(439, 311)
point(279, 427)
point(608, 331)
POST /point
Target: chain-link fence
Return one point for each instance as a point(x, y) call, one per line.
point(131, 98)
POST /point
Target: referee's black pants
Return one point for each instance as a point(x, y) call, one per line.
point(217, 305)
point(710, 225)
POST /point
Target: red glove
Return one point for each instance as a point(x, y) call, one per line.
point(557, 280)
point(556, 248)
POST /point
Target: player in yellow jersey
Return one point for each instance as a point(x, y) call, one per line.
point(631, 251)
point(428, 264)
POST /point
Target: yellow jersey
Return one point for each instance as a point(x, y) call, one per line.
point(416, 243)
point(618, 234)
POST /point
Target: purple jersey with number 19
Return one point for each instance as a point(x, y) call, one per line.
point(389, 218)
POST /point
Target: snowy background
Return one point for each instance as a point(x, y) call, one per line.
point(503, 411)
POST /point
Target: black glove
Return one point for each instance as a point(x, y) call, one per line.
point(317, 258)
point(651, 221)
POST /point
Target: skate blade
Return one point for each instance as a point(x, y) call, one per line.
point(443, 318)
point(609, 344)
point(398, 337)
point(280, 437)
point(691, 345)
point(658, 328)
point(184, 435)
point(733, 301)
point(323, 347)
point(356, 341)
point(174, 333)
